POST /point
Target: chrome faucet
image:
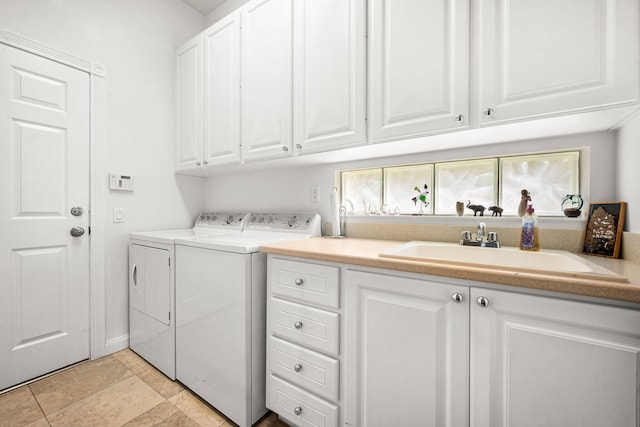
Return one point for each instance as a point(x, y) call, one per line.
point(481, 232)
point(483, 238)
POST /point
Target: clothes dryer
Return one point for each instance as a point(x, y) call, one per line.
point(152, 286)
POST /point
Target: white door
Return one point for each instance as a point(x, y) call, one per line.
point(266, 79)
point(546, 57)
point(418, 67)
point(407, 352)
point(44, 172)
point(329, 76)
point(189, 104)
point(539, 361)
point(222, 91)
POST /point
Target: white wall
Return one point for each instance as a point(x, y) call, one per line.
point(628, 171)
point(135, 41)
point(223, 10)
point(288, 189)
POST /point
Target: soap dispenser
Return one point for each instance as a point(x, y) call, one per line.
point(529, 240)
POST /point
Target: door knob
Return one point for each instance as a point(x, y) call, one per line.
point(77, 211)
point(77, 231)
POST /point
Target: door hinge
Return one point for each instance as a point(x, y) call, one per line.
point(169, 259)
point(89, 230)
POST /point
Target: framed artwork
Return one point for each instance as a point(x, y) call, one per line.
point(604, 229)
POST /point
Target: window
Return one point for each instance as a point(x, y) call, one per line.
point(488, 182)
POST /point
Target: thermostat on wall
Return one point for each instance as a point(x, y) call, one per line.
point(121, 182)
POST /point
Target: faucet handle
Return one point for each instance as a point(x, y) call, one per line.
point(492, 236)
point(466, 235)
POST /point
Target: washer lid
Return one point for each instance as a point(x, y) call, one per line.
point(207, 224)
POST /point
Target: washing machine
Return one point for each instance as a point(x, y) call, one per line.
point(221, 307)
point(152, 286)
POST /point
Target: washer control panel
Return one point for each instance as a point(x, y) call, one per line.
point(222, 219)
point(295, 222)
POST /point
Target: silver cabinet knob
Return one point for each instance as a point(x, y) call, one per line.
point(285, 149)
point(198, 164)
point(299, 146)
point(488, 112)
point(298, 367)
point(483, 301)
point(460, 118)
point(298, 325)
point(76, 231)
point(457, 297)
point(297, 410)
point(77, 211)
point(299, 282)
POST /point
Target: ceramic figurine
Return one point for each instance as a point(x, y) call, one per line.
point(524, 202)
point(496, 210)
point(476, 208)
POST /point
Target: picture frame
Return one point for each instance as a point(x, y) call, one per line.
point(603, 235)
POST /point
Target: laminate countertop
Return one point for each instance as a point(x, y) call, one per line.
point(365, 252)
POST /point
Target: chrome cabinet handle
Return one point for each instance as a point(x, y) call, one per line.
point(285, 149)
point(299, 146)
point(298, 367)
point(460, 118)
point(297, 410)
point(76, 231)
point(457, 297)
point(298, 325)
point(488, 112)
point(299, 282)
point(482, 301)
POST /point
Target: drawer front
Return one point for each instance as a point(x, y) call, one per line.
point(309, 326)
point(313, 283)
point(310, 370)
point(299, 407)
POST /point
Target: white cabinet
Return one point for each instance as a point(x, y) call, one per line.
point(538, 361)
point(407, 352)
point(418, 67)
point(303, 342)
point(266, 68)
point(419, 351)
point(189, 104)
point(221, 44)
point(329, 74)
point(538, 58)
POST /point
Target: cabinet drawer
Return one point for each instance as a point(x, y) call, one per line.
point(299, 407)
point(312, 327)
point(317, 284)
point(316, 373)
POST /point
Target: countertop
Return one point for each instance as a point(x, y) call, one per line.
point(364, 252)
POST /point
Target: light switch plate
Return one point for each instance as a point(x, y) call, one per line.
point(118, 214)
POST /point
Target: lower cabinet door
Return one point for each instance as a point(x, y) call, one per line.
point(539, 361)
point(407, 347)
point(300, 408)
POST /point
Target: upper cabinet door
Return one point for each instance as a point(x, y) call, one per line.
point(189, 104)
point(548, 57)
point(418, 67)
point(222, 91)
point(266, 79)
point(329, 74)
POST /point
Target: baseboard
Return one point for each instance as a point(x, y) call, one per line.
point(116, 344)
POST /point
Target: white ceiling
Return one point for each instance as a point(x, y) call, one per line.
point(204, 6)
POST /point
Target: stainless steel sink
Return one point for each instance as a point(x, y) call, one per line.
point(551, 262)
